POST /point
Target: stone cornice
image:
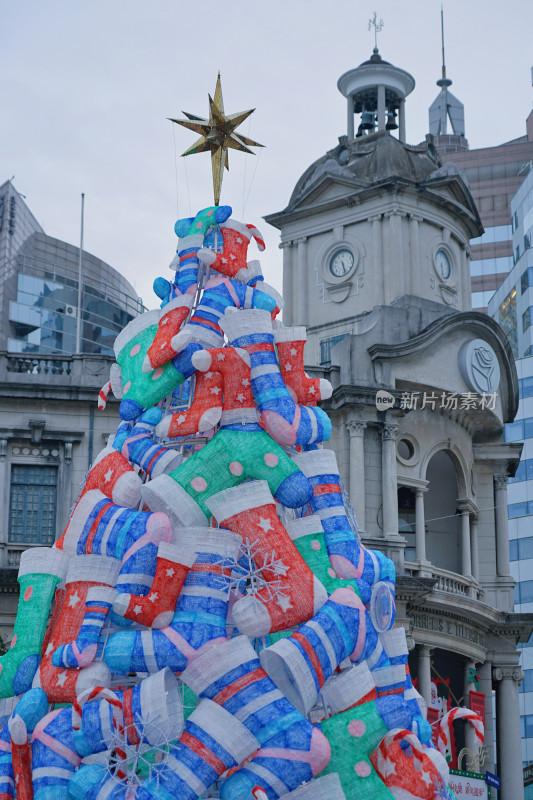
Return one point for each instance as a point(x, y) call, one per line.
point(364, 194)
point(475, 320)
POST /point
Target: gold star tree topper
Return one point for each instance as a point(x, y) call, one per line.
point(217, 134)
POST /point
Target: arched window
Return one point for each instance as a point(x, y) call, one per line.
point(442, 520)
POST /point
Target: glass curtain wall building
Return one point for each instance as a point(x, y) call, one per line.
point(494, 175)
point(39, 289)
point(512, 306)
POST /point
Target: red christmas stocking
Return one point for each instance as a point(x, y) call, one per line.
point(290, 344)
point(292, 593)
point(173, 315)
point(157, 608)
point(204, 413)
point(115, 477)
point(236, 237)
point(64, 685)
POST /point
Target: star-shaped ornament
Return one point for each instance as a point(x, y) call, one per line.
point(217, 134)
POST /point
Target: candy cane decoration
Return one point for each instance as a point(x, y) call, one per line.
point(102, 395)
point(445, 723)
point(98, 693)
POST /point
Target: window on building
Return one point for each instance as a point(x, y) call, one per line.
point(507, 318)
point(514, 431)
point(527, 683)
point(524, 595)
point(513, 550)
point(526, 279)
point(326, 345)
point(407, 520)
point(32, 504)
point(525, 386)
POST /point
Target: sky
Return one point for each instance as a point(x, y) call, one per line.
point(86, 89)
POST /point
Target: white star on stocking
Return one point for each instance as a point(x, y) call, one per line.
point(61, 678)
point(108, 475)
point(74, 600)
point(265, 524)
point(294, 351)
point(153, 597)
point(170, 572)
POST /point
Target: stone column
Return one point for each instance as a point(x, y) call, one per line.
point(4, 502)
point(465, 279)
point(414, 242)
point(389, 480)
point(381, 108)
point(466, 557)
point(393, 257)
point(356, 429)
point(424, 672)
point(350, 118)
point(288, 309)
point(508, 732)
point(485, 686)
point(301, 311)
point(401, 121)
point(377, 242)
point(503, 566)
point(474, 547)
point(420, 525)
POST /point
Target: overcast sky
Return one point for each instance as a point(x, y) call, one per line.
point(86, 89)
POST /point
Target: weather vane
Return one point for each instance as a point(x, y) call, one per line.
point(378, 27)
point(217, 134)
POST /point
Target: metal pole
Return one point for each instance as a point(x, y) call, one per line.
point(78, 321)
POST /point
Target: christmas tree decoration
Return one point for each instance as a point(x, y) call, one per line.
point(115, 477)
point(40, 570)
point(219, 629)
point(137, 446)
point(172, 317)
point(156, 609)
point(445, 726)
point(397, 679)
point(301, 664)
point(30, 709)
point(236, 238)
point(408, 769)
point(290, 344)
point(199, 621)
point(346, 553)
point(62, 685)
point(287, 422)
point(217, 134)
point(202, 415)
point(250, 510)
point(291, 750)
point(219, 294)
point(82, 651)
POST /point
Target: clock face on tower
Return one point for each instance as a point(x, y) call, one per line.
point(341, 263)
point(443, 264)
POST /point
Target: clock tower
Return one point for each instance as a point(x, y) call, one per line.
point(375, 221)
point(375, 242)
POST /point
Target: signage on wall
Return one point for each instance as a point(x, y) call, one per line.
point(469, 785)
point(477, 703)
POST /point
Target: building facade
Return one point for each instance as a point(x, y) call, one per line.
point(494, 175)
point(511, 307)
point(376, 247)
point(50, 429)
point(39, 289)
